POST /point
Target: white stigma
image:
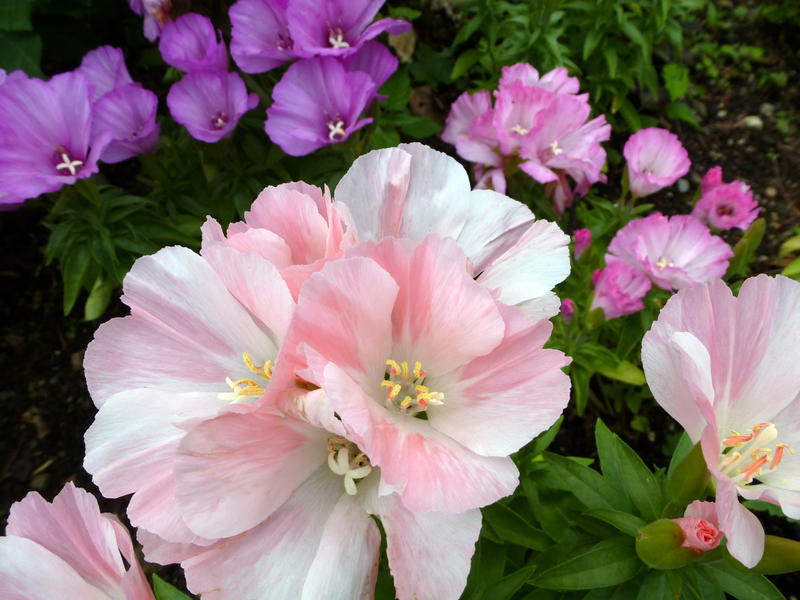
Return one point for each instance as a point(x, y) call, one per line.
point(68, 164)
point(555, 149)
point(519, 129)
point(340, 463)
point(336, 39)
point(336, 130)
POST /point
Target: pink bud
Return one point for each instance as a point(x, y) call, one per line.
point(711, 179)
point(567, 310)
point(583, 237)
point(701, 535)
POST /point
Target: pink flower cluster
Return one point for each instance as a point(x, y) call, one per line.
point(259, 402)
point(537, 124)
point(725, 205)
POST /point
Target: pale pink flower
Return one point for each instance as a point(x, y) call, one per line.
point(583, 239)
point(556, 81)
point(699, 526)
point(619, 289)
point(674, 252)
point(412, 191)
point(295, 226)
point(68, 549)
point(725, 205)
point(725, 368)
point(408, 331)
point(656, 159)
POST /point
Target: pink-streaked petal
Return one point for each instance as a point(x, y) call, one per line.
point(429, 470)
point(702, 510)
point(414, 539)
point(29, 571)
point(518, 389)
point(742, 528)
point(233, 471)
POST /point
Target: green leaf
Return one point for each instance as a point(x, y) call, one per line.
point(98, 299)
point(682, 448)
point(417, 127)
point(465, 61)
point(610, 562)
point(514, 528)
point(586, 484)
point(21, 50)
point(590, 42)
point(689, 479)
point(384, 137)
point(167, 591)
point(682, 112)
point(580, 386)
point(676, 80)
point(792, 269)
point(404, 12)
point(509, 585)
point(745, 249)
point(15, 15)
point(625, 372)
point(625, 522)
point(655, 586)
point(542, 441)
point(488, 564)
point(397, 90)
point(790, 246)
point(739, 582)
point(73, 272)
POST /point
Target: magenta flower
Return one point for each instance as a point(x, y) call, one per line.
point(725, 368)
point(318, 101)
point(583, 239)
point(190, 43)
point(619, 289)
point(567, 310)
point(68, 548)
point(656, 159)
point(105, 69)
point(209, 104)
point(725, 205)
point(45, 139)
point(337, 27)
point(699, 526)
point(674, 252)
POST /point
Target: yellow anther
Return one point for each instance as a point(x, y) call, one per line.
point(264, 370)
point(395, 368)
point(405, 369)
point(418, 372)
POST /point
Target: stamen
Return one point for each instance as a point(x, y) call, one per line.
point(756, 449)
point(402, 381)
point(519, 129)
point(776, 460)
point(734, 441)
point(340, 463)
point(245, 389)
point(555, 149)
point(68, 164)
point(663, 262)
point(753, 470)
point(336, 38)
point(336, 130)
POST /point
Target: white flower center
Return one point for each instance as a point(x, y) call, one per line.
point(519, 129)
point(219, 120)
point(406, 389)
point(68, 163)
point(554, 148)
point(746, 455)
point(345, 459)
point(663, 262)
point(336, 37)
point(336, 130)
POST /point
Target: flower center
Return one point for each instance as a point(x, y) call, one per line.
point(336, 37)
point(664, 262)
point(285, 42)
point(246, 390)
point(519, 129)
point(554, 148)
point(336, 130)
point(344, 458)
point(746, 455)
point(406, 389)
point(219, 120)
point(67, 162)
point(723, 210)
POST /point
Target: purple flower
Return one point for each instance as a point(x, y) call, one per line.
point(318, 101)
point(129, 114)
point(260, 38)
point(567, 310)
point(619, 289)
point(45, 136)
point(190, 43)
point(337, 27)
point(725, 205)
point(105, 69)
point(156, 15)
point(675, 252)
point(656, 159)
point(209, 104)
point(583, 237)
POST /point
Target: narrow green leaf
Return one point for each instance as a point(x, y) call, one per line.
point(739, 582)
point(73, 273)
point(790, 246)
point(580, 386)
point(625, 372)
point(509, 585)
point(384, 137)
point(167, 591)
point(417, 127)
point(15, 15)
point(792, 269)
point(689, 479)
point(676, 80)
point(655, 586)
point(465, 61)
point(610, 562)
point(745, 249)
point(625, 522)
point(542, 441)
point(98, 300)
point(590, 42)
point(682, 112)
point(21, 50)
point(586, 484)
point(514, 528)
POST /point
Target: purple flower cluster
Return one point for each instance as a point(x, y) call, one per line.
point(320, 98)
point(54, 132)
point(208, 100)
point(538, 124)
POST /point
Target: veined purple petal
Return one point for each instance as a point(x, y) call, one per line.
point(260, 38)
point(190, 43)
point(375, 60)
point(209, 104)
point(129, 113)
point(317, 102)
point(45, 138)
point(105, 69)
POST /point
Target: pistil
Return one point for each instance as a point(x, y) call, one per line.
point(68, 163)
point(336, 131)
point(345, 459)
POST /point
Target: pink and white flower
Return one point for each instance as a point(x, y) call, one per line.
point(674, 252)
point(725, 205)
point(725, 368)
point(619, 289)
point(68, 549)
point(656, 159)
